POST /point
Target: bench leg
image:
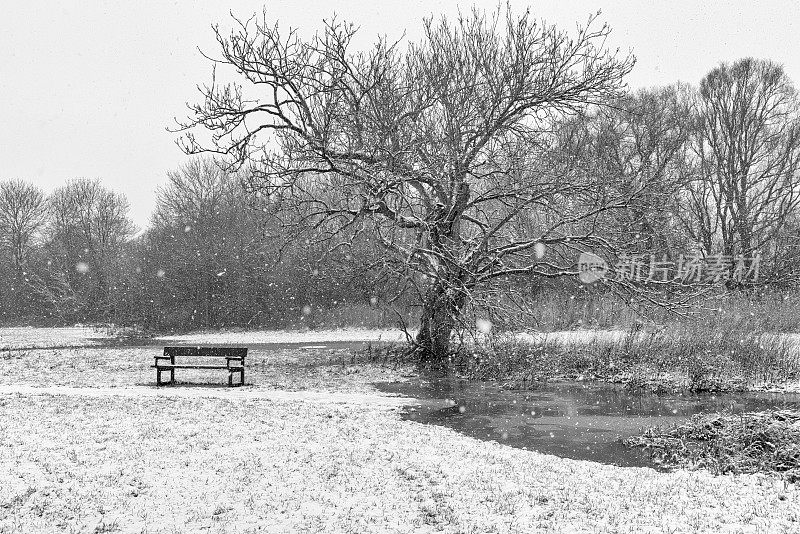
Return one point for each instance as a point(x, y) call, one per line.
point(241, 378)
point(160, 382)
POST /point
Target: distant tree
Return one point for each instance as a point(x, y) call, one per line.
point(436, 151)
point(88, 227)
point(747, 156)
point(641, 141)
point(205, 247)
point(22, 215)
point(782, 265)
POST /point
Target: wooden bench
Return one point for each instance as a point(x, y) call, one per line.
point(234, 361)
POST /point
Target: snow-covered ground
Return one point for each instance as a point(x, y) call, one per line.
point(80, 336)
point(35, 337)
point(87, 444)
point(262, 337)
point(129, 367)
point(231, 394)
point(143, 464)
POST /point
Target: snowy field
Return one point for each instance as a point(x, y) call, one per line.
point(87, 444)
point(80, 336)
point(263, 337)
point(32, 337)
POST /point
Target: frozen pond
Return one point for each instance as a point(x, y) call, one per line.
point(584, 421)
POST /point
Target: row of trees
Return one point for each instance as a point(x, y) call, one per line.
point(720, 164)
point(481, 160)
point(498, 147)
point(60, 247)
point(208, 257)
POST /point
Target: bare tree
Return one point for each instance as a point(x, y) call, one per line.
point(641, 141)
point(437, 150)
point(748, 156)
point(208, 241)
point(22, 214)
point(87, 228)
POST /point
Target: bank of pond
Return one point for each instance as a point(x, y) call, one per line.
point(742, 432)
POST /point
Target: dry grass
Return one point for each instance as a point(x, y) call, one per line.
point(752, 311)
point(682, 357)
point(760, 442)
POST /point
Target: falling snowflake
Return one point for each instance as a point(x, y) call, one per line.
point(483, 325)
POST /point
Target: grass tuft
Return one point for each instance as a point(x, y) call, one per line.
point(756, 442)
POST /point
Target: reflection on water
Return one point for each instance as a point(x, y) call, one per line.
point(584, 421)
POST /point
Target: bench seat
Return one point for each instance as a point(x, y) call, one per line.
point(195, 366)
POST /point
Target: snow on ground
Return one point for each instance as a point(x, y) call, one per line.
point(76, 359)
point(256, 337)
point(81, 336)
point(225, 393)
point(282, 368)
point(35, 337)
point(88, 444)
point(130, 464)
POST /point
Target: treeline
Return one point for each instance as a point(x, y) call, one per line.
point(720, 164)
point(715, 170)
point(211, 256)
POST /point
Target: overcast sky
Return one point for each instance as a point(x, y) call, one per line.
point(87, 88)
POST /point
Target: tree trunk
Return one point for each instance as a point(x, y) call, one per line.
point(440, 311)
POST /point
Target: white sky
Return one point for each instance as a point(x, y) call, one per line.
point(87, 88)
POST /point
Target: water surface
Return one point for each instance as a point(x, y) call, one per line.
point(584, 421)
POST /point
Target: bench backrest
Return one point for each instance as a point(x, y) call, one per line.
point(234, 352)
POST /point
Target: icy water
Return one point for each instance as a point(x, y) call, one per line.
point(583, 421)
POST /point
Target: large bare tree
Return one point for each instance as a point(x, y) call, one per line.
point(438, 149)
